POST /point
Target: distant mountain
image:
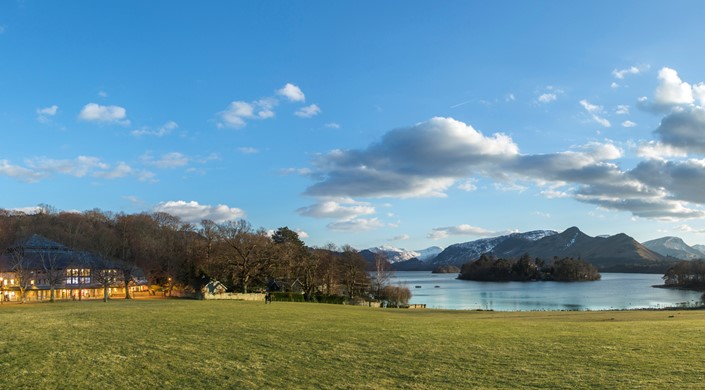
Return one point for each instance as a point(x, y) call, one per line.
point(700, 248)
point(674, 247)
point(460, 254)
point(619, 250)
point(396, 255)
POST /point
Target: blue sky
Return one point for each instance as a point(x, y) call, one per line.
point(361, 123)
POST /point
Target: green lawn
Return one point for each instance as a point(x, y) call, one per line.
point(228, 344)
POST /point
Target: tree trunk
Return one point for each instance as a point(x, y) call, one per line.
point(51, 294)
point(127, 290)
point(105, 293)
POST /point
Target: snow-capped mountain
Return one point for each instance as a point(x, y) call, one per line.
point(396, 255)
point(459, 254)
point(674, 247)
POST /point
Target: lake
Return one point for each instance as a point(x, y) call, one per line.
point(614, 291)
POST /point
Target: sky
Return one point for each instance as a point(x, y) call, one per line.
point(402, 123)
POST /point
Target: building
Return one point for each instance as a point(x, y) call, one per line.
point(36, 266)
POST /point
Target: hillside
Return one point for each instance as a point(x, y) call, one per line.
point(618, 252)
point(460, 254)
point(603, 252)
point(674, 247)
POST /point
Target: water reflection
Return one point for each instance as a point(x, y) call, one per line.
point(614, 291)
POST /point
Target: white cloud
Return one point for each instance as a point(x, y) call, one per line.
point(459, 230)
point(547, 97)
point(402, 237)
point(659, 151)
point(248, 150)
point(48, 111)
point(332, 125)
point(19, 172)
point(121, 170)
point(356, 225)
point(338, 209)
point(614, 85)
point(292, 93)
point(296, 171)
point(78, 167)
point(628, 124)
point(93, 112)
point(168, 160)
point(594, 112)
point(238, 112)
point(308, 111)
point(468, 185)
point(102, 94)
point(622, 109)
point(620, 73)
point(690, 229)
point(193, 212)
point(671, 89)
point(510, 98)
point(165, 129)
point(417, 161)
point(43, 114)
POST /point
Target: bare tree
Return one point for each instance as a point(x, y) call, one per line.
point(382, 273)
point(246, 254)
point(24, 272)
point(353, 267)
point(53, 271)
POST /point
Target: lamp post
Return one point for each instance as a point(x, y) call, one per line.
point(2, 290)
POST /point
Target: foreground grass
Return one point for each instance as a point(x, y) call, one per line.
point(228, 344)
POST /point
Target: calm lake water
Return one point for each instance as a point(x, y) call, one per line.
point(614, 291)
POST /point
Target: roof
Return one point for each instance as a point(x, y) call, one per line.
point(37, 251)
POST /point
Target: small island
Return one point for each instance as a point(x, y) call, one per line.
point(492, 269)
point(446, 269)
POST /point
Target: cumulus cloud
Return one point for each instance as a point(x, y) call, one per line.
point(120, 170)
point(684, 129)
point(165, 129)
point(620, 73)
point(468, 185)
point(19, 172)
point(93, 112)
point(622, 109)
point(292, 93)
point(43, 114)
point(672, 90)
point(421, 160)
point(547, 97)
point(338, 209)
point(77, 167)
point(459, 230)
point(239, 112)
point(659, 151)
point(193, 212)
point(308, 111)
point(595, 112)
point(628, 124)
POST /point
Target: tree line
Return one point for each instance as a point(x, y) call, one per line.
point(490, 268)
point(686, 274)
point(177, 255)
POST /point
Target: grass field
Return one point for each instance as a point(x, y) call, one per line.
point(229, 344)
